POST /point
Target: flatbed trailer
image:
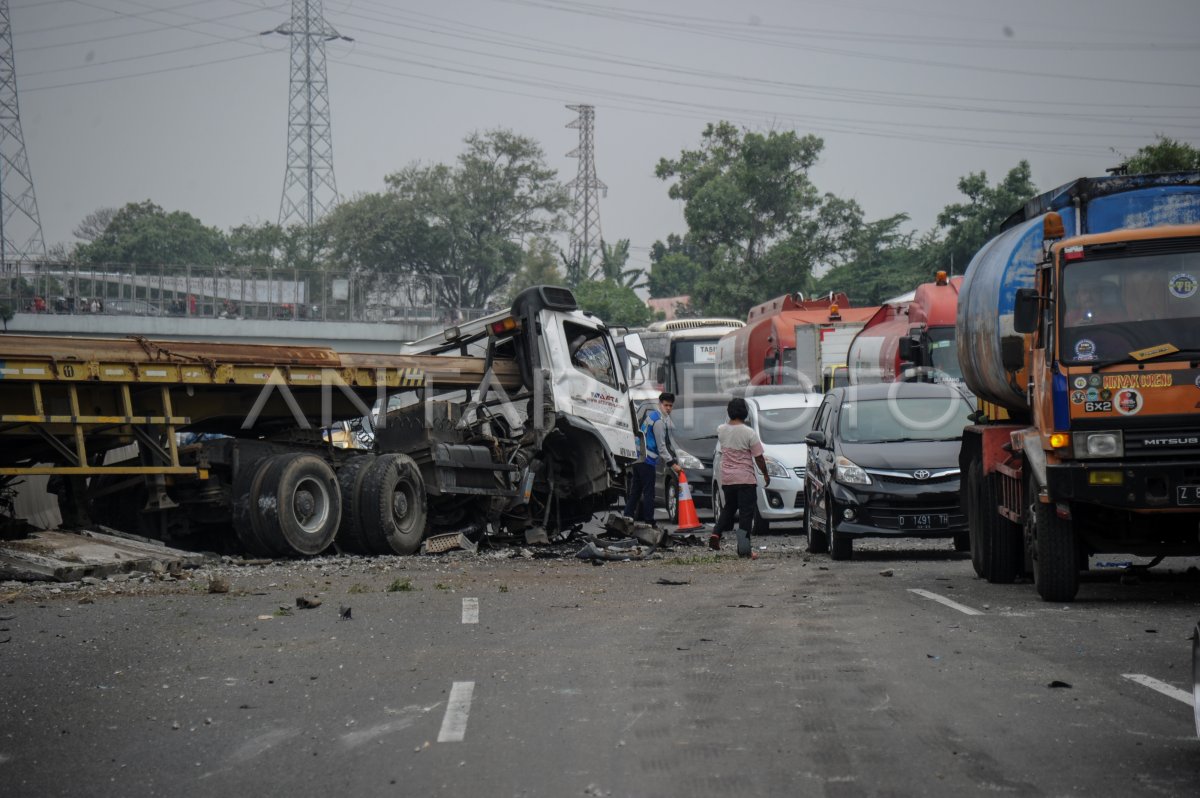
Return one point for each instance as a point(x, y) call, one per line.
point(103, 416)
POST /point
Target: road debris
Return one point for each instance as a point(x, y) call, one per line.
point(672, 582)
point(218, 585)
point(55, 556)
point(887, 572)
point(344, 613)
point(1057, 684)
point(306, 603)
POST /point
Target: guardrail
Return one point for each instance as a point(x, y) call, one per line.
point(228, 293)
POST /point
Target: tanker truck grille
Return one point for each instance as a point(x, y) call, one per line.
point(1161, 442)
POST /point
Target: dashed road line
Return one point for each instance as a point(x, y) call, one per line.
point(954, 605)
point(470, 610)
point(454, 724)
point(1161, 687)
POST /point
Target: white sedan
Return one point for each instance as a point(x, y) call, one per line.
point(781, 420)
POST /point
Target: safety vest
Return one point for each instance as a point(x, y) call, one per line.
point(647, 431)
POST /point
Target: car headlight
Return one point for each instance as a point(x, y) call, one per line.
point(1098, 444)
point(851, 474)
point(777, 469)
point(688, 460)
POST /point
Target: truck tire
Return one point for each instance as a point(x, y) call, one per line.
point(1055, 551)
point(962, 540)
point(300, 504)
point(350, 535)
point(246, 518)
point(393, 505)
point(841, 547)
point(1003, 555)
point(972, 505)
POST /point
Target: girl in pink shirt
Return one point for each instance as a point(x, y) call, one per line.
point(741, 451)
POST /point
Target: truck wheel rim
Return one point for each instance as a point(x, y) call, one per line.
point(400, 505)
point(310, 503)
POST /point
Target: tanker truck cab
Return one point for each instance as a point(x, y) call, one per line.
point(1112, 362)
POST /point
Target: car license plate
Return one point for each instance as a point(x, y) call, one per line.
point(925, 521)
point(1187, 494)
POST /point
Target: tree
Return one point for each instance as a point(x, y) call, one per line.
point(882, 263)
point(1165, 155)
point(674, 269)
point(617, 304)
point(973, 223)
point(613, 260)
point(258, 246)
point(756, 219)
point(539, 266)
point(94, 224)
point(478, 212)
point(143, 233)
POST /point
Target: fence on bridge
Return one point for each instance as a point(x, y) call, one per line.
point(226, 292)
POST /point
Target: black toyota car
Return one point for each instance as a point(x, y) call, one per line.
point(883, 462)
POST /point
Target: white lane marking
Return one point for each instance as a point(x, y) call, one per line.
point(954, 605)
point(454, 724)
point(1162, 687)
point(470, 610)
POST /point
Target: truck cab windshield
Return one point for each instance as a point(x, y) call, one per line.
point(1110, 307)
point(943, 354)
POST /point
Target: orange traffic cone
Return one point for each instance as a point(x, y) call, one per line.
point(688, 520)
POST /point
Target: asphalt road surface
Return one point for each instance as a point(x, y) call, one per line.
point(547, 676)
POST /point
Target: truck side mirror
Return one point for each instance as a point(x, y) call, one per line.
point(906, 347)
point(815, 439)
point(660, 374)
point(1025, 311)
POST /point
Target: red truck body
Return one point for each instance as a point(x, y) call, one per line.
point(879, 352)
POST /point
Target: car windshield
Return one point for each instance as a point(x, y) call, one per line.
point(782, 425)
point(1117, 305)
point(925, 418)
point(692, 421)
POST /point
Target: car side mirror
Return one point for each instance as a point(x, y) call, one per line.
point(815, 439)
point(1025, 311)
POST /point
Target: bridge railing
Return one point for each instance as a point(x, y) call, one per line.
point(229, 293)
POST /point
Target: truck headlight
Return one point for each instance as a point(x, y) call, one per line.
point(1098, 444)
point(777, 469)
point(688, 460)
point(850, 474)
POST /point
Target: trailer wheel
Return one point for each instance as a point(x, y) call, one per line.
point(246, 518)
point(350, 535)
point(841, 547)
point(393, 505)
point(1055, 550)
point(300, 504)
point(1003, 557)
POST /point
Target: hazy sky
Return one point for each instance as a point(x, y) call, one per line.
point(185, 103)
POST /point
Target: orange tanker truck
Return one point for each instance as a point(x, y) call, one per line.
point(1079, 330)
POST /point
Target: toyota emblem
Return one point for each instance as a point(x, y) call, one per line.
point(921, 473)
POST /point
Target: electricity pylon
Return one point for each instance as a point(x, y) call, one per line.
point(20, 226)
point(585, 223)
point(309, 188)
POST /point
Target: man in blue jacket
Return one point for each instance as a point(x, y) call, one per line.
point(655, 447)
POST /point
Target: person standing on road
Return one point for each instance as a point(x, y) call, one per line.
point(655, 447)
point(741, 451)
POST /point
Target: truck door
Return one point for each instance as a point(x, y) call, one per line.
point(587, 383)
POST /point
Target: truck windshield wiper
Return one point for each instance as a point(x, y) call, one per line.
point(1130, 359)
